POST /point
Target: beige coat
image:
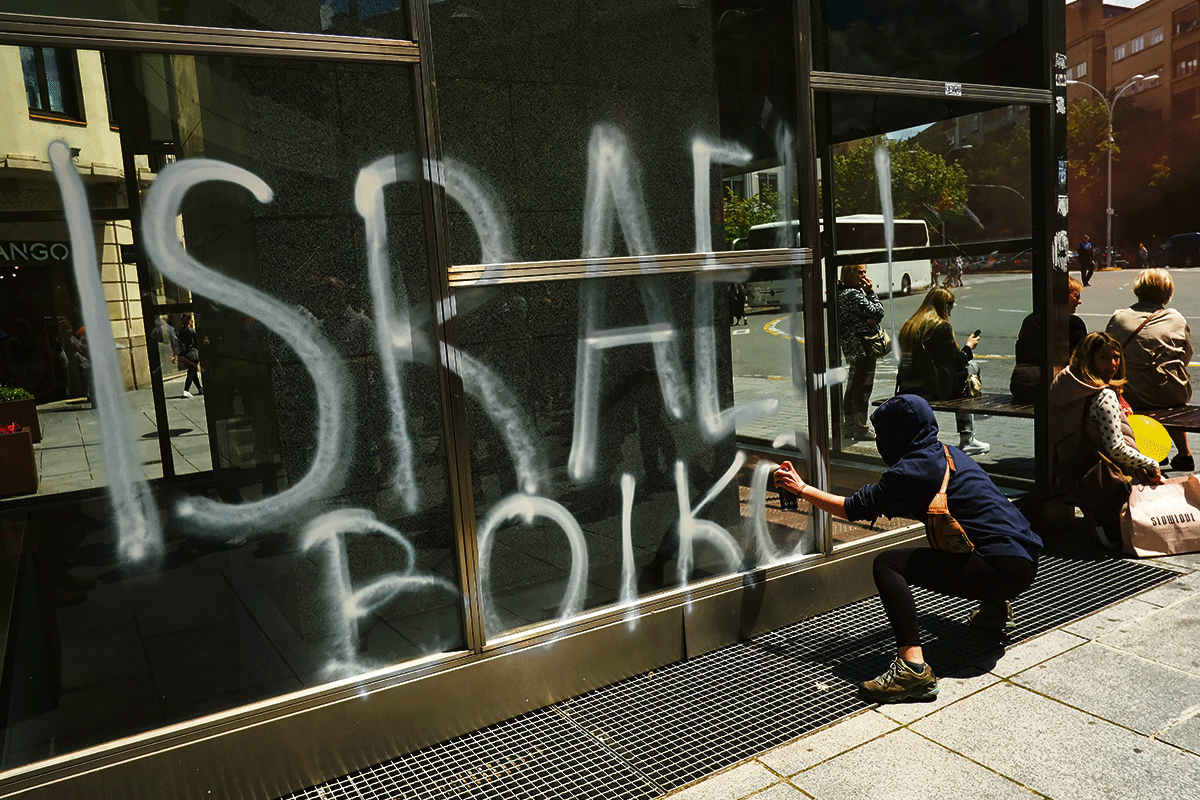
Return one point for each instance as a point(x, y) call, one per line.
point(1156, 358)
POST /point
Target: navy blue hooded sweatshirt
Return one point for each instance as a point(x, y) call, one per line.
point(906, 434)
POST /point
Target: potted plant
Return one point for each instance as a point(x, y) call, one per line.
point(18, 405)
point(18, 467)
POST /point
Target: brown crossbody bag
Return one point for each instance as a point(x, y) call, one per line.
point(941, 529)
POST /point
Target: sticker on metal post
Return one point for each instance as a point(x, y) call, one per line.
point(954, 90)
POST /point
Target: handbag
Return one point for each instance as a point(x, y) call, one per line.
point(972, 386)
point(941, 529)
point(1098, 486)
point(1164, 519)
point(879, 343)
point(1102, 490)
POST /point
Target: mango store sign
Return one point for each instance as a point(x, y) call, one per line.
point(21, 254)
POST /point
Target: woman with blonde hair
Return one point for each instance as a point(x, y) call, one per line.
point(1157, 346)
point(933, 366)
point(1091, 417)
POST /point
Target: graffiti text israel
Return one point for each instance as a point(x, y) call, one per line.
point(403, 337)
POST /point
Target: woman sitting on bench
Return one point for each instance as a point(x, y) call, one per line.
point(1091, 417)
point(934, 367)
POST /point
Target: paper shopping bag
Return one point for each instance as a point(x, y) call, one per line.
point(1162, 520)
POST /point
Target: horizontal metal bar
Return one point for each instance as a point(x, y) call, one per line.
point(150, 37)
point(874, 84)
point(578, 268)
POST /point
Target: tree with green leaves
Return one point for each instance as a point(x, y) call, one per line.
point(923, 185)
point(1087, 150)
point(741, 214)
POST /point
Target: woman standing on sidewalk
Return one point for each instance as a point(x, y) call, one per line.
point(190, 355)
point(859, 313)
point(1002, 565)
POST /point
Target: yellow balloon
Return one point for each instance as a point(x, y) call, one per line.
point(1151, 437)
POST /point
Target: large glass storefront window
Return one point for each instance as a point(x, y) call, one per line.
point(346, 378)
point(242, 486)
point(582, 142)
point(957, 188)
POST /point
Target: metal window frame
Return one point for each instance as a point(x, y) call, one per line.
point(1047, 137)
point(90, 34)
point(284, 741)
point(76, 113)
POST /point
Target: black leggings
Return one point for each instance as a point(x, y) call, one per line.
point(967, 575)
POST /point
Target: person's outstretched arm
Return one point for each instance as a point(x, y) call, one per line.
point(786, 478)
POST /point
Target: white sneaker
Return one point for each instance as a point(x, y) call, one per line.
point(975, 447)
point(186, 393)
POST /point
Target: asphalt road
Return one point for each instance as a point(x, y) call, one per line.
point(995, 303)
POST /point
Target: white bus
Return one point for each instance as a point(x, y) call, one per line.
point(857, 233)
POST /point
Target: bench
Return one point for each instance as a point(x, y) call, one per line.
point(1184, 418)
point(997, 405)
point(1180, 418)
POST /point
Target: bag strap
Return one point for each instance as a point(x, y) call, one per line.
point(945, 479)
point(1138, 329)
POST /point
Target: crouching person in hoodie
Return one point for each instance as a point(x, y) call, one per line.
point(1002, 564)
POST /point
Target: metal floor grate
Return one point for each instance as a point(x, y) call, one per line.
point(652, 733)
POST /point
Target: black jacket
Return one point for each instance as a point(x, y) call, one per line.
point(906, 434)
point(935, 368)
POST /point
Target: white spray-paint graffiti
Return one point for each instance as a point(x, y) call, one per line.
point(349, 606)
point(403, 339)
point(401, 333)
point(715, 424)
point(883, 176)
point(614, 190)
point(327, 471)
point(139, 530)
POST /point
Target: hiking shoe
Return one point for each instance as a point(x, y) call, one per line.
point(974, 447)
point(993, 617)
point(1183, 462)
point(900, 683)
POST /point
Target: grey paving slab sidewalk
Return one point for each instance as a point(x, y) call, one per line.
point(1107, 706)
point(69, 455)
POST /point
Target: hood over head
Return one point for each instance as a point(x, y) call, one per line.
point(904, 424)
point(1068, 388)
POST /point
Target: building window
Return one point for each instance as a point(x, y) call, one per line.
point(1118, 52)
point(51, 82)
point(1137, 45)
point(1156, 35)
point(1187, 60)
point(1185, 19)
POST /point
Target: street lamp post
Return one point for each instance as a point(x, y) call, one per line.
point(1111, 107)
